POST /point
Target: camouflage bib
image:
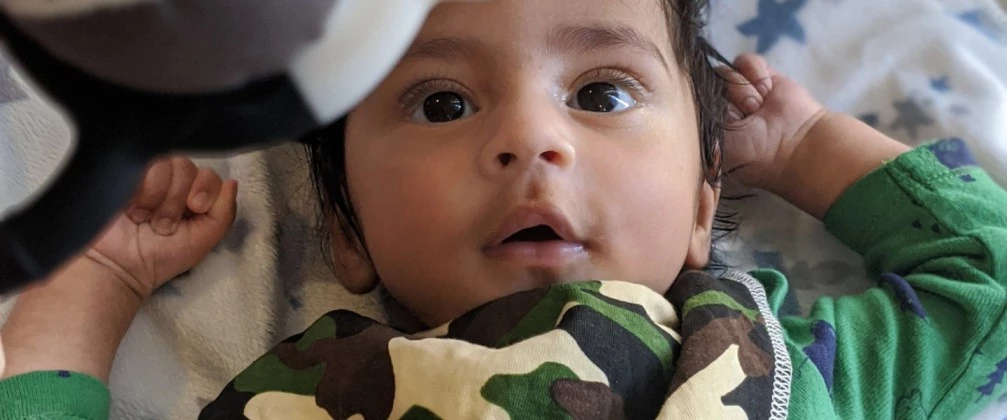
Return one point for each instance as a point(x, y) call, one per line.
point(594, 350)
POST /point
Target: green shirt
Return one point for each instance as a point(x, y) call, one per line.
point(929, 342)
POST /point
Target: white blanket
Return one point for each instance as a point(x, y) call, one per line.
point(916, 69)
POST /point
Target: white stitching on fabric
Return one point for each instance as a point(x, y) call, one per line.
point(783, 367)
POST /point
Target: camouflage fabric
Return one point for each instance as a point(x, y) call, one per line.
point(593, 350)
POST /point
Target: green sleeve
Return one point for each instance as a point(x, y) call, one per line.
point(53, 395)
point(930, 341)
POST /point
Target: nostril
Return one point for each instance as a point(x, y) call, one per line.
point(506, 158)
point(550, 156)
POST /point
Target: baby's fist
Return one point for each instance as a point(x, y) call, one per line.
point(769, 115)
point(179, 213)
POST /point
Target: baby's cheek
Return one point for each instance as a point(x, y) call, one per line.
point(421, 244)
point(650, 218)
point(656, 241)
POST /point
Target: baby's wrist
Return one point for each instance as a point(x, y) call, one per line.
point(107, 269)
point(73, 321)
point(836, 152)
point(88, 279)
point(793, 154)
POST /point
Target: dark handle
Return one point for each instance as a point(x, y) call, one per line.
point(93, 187)
point(120, 131)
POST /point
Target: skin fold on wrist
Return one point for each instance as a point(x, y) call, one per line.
point(73, 321)
point(837, 151)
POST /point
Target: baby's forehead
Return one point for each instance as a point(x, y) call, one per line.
point(551, 26)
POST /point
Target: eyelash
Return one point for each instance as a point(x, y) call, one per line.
point(618, 76)
point(415, 95)
point(418, 92)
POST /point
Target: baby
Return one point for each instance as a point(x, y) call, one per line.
point(522, 153)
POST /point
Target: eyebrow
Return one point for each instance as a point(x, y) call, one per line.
point(581, 39)
point(446, 48)
point(586, 39)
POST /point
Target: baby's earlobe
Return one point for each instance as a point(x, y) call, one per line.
point(352, 267)
point(701, 242)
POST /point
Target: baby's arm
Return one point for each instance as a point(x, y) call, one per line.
point(928, 342)
point(931, 342)
point(837, 151)
point(63, 333)
point(60, 342)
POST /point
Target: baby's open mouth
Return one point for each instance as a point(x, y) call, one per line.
point(536, 237)
point(540, 233)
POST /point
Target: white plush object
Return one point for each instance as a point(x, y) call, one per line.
point(267, 280)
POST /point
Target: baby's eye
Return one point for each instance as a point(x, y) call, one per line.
point(443, 107)
point(602, 97)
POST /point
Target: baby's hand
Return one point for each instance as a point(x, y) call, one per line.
point(769, 115)
point(177, 216)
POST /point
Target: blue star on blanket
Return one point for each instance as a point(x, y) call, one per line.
point(984, 24)
point(911, 117)
point(941, 84)
point(776, 19)
point(872, 119)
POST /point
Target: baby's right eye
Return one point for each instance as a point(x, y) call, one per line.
point(437, 101)
point(442, 107)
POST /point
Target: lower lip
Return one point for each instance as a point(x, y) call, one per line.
point(551, 254)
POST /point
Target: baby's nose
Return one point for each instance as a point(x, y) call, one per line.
point(529, 138)
point(549, 156)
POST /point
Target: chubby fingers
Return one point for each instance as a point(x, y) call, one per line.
point(756, 71)
point(205, 191)
point(205, 230)
point(172, 187)
point(152, 191)
point(749, 82)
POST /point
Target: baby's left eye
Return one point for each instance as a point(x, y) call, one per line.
point(602, 97)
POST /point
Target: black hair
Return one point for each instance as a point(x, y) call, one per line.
point(695, 56)
point(700, 60)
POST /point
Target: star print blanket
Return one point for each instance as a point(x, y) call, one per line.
point(916, 69)
point(599, 350)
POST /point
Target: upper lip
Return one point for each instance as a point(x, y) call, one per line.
point(525, 217)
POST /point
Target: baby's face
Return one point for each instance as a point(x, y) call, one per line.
point(524, 143)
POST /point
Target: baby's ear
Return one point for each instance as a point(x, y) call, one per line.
point(701, 243)
point(353, 269)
